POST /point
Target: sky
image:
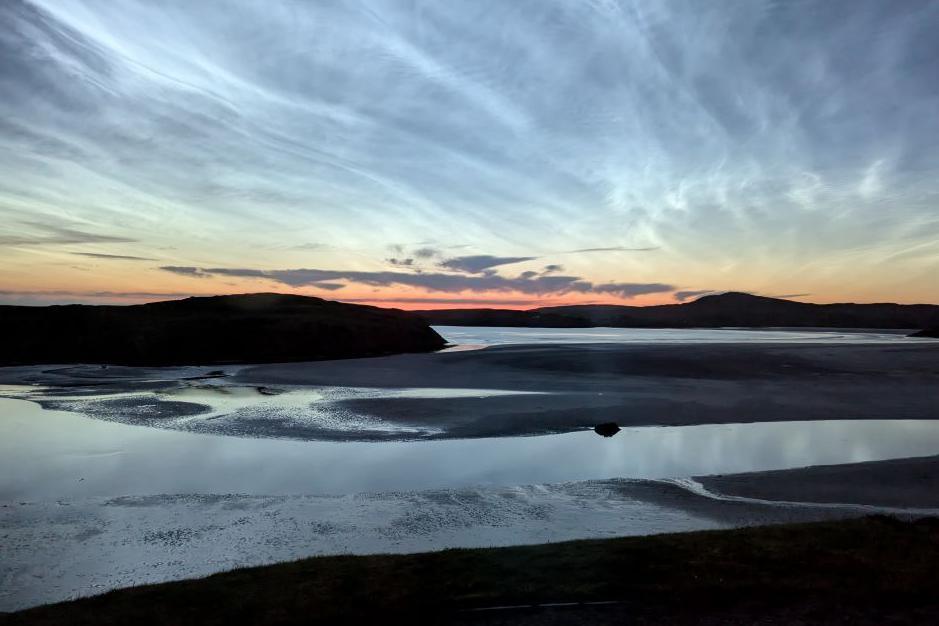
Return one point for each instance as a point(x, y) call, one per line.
point(469, 153)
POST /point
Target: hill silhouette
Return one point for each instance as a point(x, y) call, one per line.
point(247, 328)
point(732, 309)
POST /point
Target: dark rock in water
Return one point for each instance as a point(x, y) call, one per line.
point(929, 332)
point(607, 429)
point(249, 328)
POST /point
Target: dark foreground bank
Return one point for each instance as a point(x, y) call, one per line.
point(248, 328)
point(865, 571)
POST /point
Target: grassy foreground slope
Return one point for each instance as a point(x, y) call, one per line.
point(872, 571)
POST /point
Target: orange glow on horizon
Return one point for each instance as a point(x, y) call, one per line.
point(120, 283)
point(432, 303)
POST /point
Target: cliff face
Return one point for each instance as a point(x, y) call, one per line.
point(250, 328)
point(729, 309)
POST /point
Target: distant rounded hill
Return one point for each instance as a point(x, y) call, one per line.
point(249, 328)
point(732, 309)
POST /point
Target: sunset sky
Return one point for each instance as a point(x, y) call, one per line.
point(469, 153)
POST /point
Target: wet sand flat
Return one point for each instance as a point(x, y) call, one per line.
point(636, 384)
point(117, 542)
point(894, 483)
point(519, 389)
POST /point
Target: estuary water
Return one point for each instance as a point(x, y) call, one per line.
point(488, 336)
point(50, 455)
point(111, 486)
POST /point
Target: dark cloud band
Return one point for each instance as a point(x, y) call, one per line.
point(448, 283)
point(480, 262)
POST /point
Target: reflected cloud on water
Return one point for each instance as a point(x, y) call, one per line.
point(54, 454)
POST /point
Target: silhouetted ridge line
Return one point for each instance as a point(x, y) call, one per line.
point(732, 309)
point(248, 328)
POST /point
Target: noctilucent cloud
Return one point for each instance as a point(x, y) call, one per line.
point(469, 153)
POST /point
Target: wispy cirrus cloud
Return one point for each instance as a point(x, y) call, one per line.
point(776, 141)
point(540, 284)
point(113, 257)
point(39, 234)
point(613, 249)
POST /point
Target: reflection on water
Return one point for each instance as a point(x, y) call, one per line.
point(479, 336)
point(51, 454)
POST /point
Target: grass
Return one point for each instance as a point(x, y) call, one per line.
point(870, 570)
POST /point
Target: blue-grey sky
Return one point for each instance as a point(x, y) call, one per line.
point(469, 152)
